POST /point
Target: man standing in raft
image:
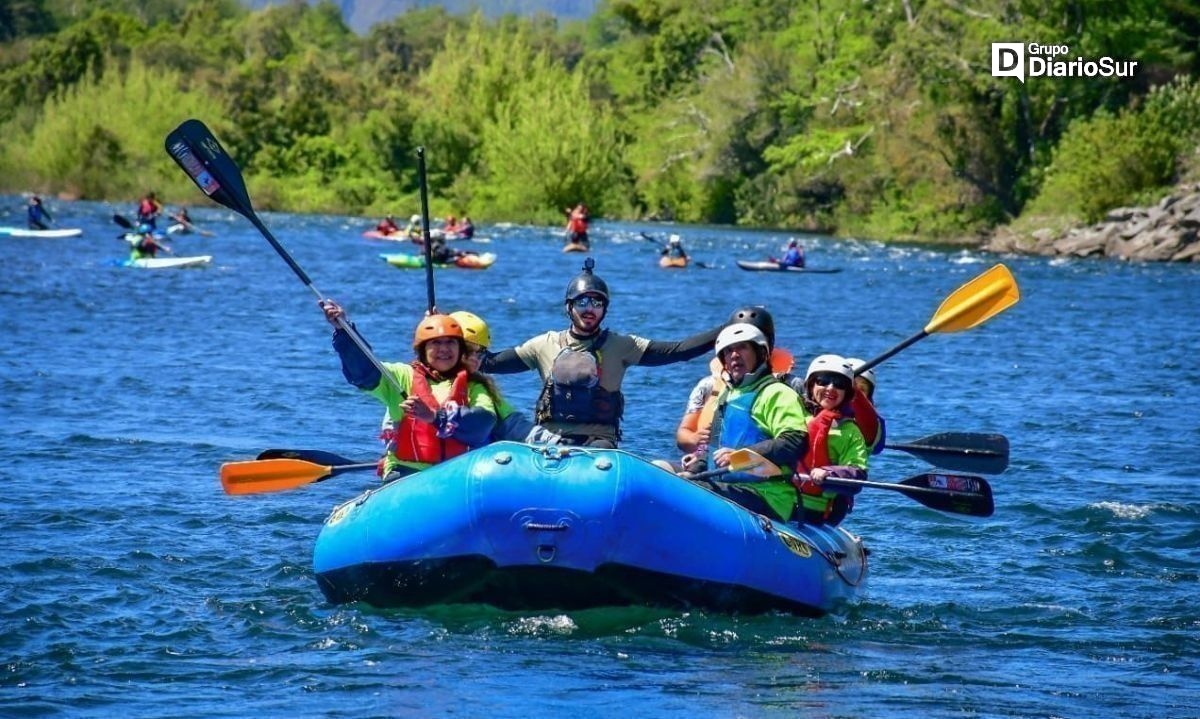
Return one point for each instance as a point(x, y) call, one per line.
point(582, 367)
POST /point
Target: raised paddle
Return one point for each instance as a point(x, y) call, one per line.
point(316, 456)
point(698, 263)
point(195, 149)
point(278, 475)
point(955, 493)
point(960, 451)
point(122, 221)
point(974, 303)
point(428, 248)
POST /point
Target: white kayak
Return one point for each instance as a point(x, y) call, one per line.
point(48, 234)
point(162, 263)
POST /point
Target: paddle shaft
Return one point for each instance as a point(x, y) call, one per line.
point(424, 185)
point(195, 149)
point(892, 352)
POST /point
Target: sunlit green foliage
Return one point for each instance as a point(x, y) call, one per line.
point(873, 117)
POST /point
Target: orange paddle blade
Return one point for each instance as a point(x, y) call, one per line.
point(782, 361)
point(270, 475)
point(976, 302)
point(751, 462)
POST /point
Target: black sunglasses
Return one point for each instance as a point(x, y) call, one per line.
point(837, 381)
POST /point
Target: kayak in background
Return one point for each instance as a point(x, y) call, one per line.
point(769, 266)
point(163, 263)
point(46, 234)
point(575, 247)
point(397, 236)
point(672, 262)
point(406, 261)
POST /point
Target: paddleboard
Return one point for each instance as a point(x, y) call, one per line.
point(162, 263)
point(768, 266)
point(574, 247)
point(46, 234)
point(405, 261)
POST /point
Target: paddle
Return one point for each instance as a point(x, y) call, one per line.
point(122, 221)
point(746, 461)
point(316, 456)
point(428, 249)
point(195, 149)
point(960, 451)
point(974, 303)
point(278, 475)
point(955, 493)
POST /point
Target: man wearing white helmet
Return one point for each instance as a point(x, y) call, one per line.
point(674, 248)
point(836, 447)
point(759, 413)
point(867, 418)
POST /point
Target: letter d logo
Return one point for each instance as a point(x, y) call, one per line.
point(1008, 60)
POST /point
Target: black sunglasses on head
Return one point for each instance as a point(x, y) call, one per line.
point(828, 379)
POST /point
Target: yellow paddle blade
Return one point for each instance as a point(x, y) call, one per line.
point(270, 475)
point(751, 462)
point(976, 302)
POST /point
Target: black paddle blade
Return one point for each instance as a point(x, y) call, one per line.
point(195, 149)
point(122, 221)
point(960, 451)
point(315, 456)
point(956, 493)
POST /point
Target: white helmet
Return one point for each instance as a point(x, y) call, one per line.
point(868, 375)
point(673, 239)
point(415, 219)
point(741, 332)
point(829, 363)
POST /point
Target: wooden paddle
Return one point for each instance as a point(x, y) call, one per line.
point(960, 451)
point(194, 148)
point(971, 305)
point(278, 475)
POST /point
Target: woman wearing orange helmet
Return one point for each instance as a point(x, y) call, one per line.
point(442, 408)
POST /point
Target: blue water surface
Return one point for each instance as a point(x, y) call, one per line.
point(133, 586)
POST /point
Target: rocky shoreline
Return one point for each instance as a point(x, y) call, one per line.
point(1166, 232)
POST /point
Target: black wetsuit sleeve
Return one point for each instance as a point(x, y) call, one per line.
point(785, 450)
point(660, 353)
point(503, 362)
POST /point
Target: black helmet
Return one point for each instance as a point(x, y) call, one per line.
point(585, 282)
point(758, 316)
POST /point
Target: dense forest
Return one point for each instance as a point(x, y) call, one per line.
point(879, 118)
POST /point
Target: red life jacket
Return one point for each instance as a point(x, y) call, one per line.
point(416, 441)
point(866, 418)
point(577, 223)
point(818, 440)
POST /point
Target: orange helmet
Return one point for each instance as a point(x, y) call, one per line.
point(434, 326)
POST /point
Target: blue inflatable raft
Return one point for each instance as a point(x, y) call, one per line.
point(532, 528)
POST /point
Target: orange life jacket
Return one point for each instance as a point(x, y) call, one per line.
point(416, 441)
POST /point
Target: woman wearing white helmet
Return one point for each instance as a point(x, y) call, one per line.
point(835, 444)
point(759, 413)
point(866, 416)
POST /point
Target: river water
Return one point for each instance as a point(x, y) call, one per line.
point(132, 585)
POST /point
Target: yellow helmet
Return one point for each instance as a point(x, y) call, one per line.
point(475, 330)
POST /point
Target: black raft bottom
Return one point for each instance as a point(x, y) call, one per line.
point(477, 580)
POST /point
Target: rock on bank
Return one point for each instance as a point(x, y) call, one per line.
point(1166, 232)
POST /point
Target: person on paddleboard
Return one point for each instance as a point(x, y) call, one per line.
point(146, 245)
point(442, 408)
point(582, 367)
point(754, 411)
point(148, 210)
point(794, 257)
point(836, 447)
point(577, 225)
point(36, 214)
point(413, 229)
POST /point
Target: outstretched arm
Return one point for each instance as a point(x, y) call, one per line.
point(503, 362)
point(660, 353)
